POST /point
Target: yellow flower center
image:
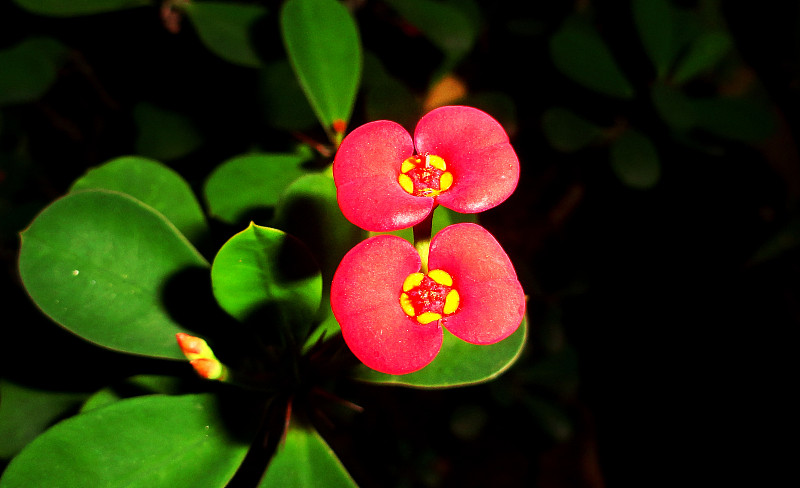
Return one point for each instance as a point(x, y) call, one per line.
point(429, 298)
point(425, 176)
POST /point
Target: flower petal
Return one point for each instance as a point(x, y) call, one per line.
point(365, 171)
point(492, 301)
point(477, 152)
point(365, 297)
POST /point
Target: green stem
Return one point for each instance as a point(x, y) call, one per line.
point(422, 240)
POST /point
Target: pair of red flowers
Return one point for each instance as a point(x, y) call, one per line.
point(392, 299)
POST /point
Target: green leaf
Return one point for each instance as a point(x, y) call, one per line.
point(386, 97)
point(29, 69)
point(150, 441)
point(580, 53)
point(305, 460)
point(151, 183)
point(739, 119)
point(655, 23)
point(268, 277)
point(163, 134)
point(285, 104)
point(457, 364)
point(635, 160)
point(250, 182)
point(27, 412)
point(97, 262)
point(130, 387)
point(323, 45)
point(225, 29)
point(673, 106)
point(704, 53)
point(60, 8)
point(567, 131)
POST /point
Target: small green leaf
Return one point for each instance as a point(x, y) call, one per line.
point(567, 131)
point(143, 442)
point(704, 53)
point(457, 364)
point(580, 53)
point(305, 460)
point(130, 387)
point(267, 276)
point(250, 182)
point(97, 263)
point(29, 69)
point(27, 412)
point(635, 160)
point(151, 183)
point(322, 41)
point(655, 23)
point(163, 134)
point(60, 8)
point(225, 28)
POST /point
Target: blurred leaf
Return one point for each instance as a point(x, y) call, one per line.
point(163, 134)
point(97, 262)
point(305, 460)
point(735, 118)
point(138, 385)
point(249, 182)
point(635, 160)
point(151, 183)
point(27, 412)
point(704, 53)
point(458, 363)
point(309, 211)
point(450, 25)
point(386, 97)
point(323, 44)
point(580, 53)
point(673, 106)
point(285, 104)
point(225, 28)
point(655, 23)
point(786, 239)
point(29, 69)
point(61, 8)
point(267, 276)
point(568, 132)
point(142, 442)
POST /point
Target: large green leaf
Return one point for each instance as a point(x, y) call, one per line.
point(61, 8)
point(225, 28)
point(304, 460)
point(97, 262)
point(250, 182)
point(152, 183)
point(267, 276)
point(655, 23)
point(635, 160)
point(457, 364)
point(581, 54)
point(322, 41)
point(149, 442)
point(29, 68)
point(26, 412)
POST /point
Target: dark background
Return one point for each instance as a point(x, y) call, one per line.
point(659, 350)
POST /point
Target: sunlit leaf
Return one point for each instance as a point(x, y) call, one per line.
point(704, 53)
point(655, 24)
point(97, 262)
point(151, 183)
point(457, 364)
point(305, 460)
point(250, 182)
point(322, 41)
point(143, 442)
point(568, 132)
point(267, 276)
point(225, 28)
point(164, 134)
point(635, 160)
point(581, 54)
point(61, 8)
point(26, 412)
point(29, 69)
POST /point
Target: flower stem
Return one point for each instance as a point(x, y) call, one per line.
point(422, 240)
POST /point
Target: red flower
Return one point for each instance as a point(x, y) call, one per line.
point(391, 312)
point(459, 157)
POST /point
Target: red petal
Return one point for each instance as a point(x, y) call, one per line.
point(492, 302)
point(365, 297)
point(476, 150)
point(365, 171)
